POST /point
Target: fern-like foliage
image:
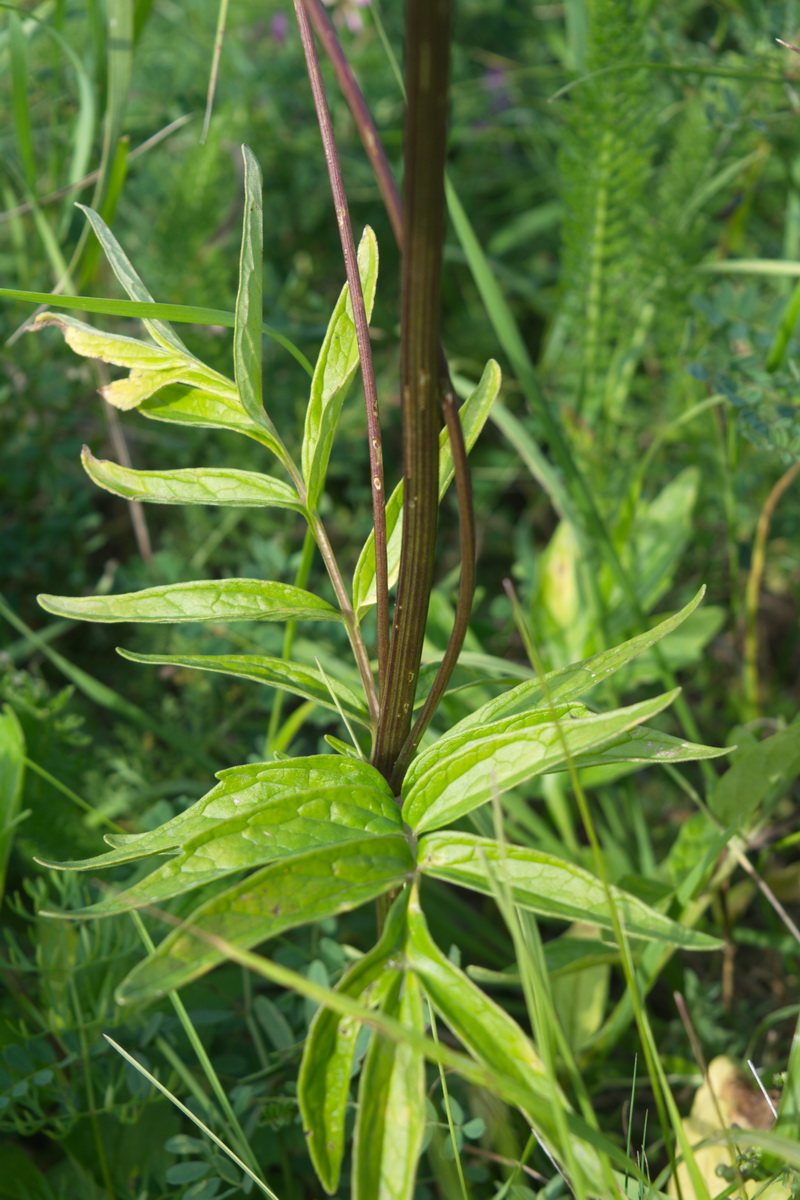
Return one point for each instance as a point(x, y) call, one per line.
point(605, 165)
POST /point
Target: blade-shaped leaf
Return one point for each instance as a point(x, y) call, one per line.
point(391, 1104)
point(205, 600)
point(113, 348)
point(282, 829)
point(323, 1084)
point(195, 485)
point(240, 790)
point(141, 384)
point(12, 775)
point(548, 885)
point(247, 330)
point(308, 682)
point(574, 681)
point(458, 773)
point(179, 405)
point(473, 414)
point(333, 374)
point(278, 897)
point(647, 745)
point(123, 269)
point(489, 1033)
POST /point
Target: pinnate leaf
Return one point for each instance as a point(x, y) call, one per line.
point(205, 600)
point(194, 485)
point(548, 885)
point(280, 896)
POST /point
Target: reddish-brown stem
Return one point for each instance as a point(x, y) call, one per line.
point(362, 335)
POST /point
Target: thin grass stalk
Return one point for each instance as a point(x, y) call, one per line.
point(362, 336)
point(428, 25)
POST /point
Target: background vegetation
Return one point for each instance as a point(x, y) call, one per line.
point(632, 173)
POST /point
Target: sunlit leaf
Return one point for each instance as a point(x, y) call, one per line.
point(490, 1035)
point(334, 372)
point(113, 348)
point(205, 600)
point(12, 775)
point(280, 896)
point(323, 1085)
point(193, 485)
point(572, 682)
point(391, 1104)
point(456, 774)
point(473, 414)
point(281, 829)
point(247, 330)
point(308, 682)
point(548, 885)
point(207, 409)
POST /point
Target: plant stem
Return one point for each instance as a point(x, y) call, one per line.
point(428, 58)
point(362, 335)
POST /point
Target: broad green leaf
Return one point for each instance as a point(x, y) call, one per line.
point(140, 385)
point(572, 682)
point(282, 829)
point(460, 772)
point(323, 1085)
point(391, 1104)
point(281, 896)
point(195, 485)
point(247, 330)
point(113, 348)
point(759, 773)
point(333, 374)
point(123, 269)
point(247, 786)
point(179, 405)
point(205, 600)
point(12, 775)
point(472, 414)
point(489, 1033)
point(548, 885)
point(308, 682)
point(241, 790)
point(647, 745)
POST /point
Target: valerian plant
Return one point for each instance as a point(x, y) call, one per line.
point(283, 843)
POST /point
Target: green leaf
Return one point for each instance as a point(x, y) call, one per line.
point(280, 896)
point(209, 410)
point(195, 485)
point(123, 269)
point(333, 374)
point(283, 829)
point(187, 313)
point(308, 682)
point(548, 885)
point(115, 348)
point(647, 745)
point(458, 773)
point(572, 682)
point(12, 776)
point(247, 330)
point(241, 790)
point(323, 1085)
point(472, 414)
point(390, 1125)
point(490, 1034)
point(759, 773)
point(205, 600)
